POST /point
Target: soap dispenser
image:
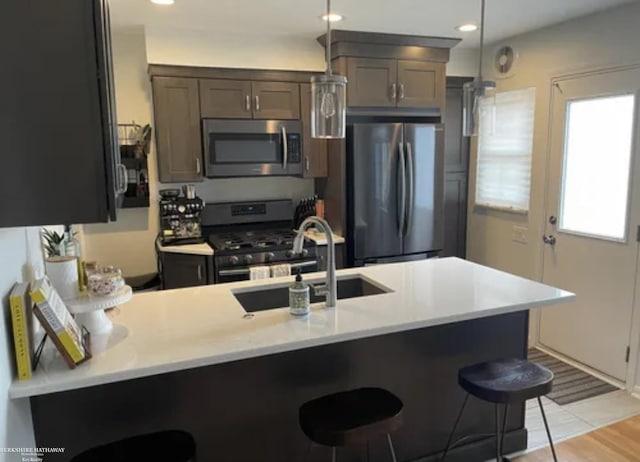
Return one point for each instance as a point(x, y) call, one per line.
point(299, 298)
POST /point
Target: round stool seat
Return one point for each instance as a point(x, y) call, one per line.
point(506, 381)
point(166, 446)
point(351, 417)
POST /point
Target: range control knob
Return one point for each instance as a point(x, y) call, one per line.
point(290, 253)
point(270, 256)
point(234, 260)
point(181, 208)
point(304, 252)
point(248, 259)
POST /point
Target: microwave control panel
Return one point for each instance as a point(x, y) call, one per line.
point(293, 148)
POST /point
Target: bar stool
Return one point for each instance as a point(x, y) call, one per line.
point(165, 446)
point(510, 381)
point(351, 417)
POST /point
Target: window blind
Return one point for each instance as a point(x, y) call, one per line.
point(505, 145)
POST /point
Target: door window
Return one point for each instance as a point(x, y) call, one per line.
point(597, 163)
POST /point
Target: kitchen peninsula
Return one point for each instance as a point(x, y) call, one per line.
point(194, 360)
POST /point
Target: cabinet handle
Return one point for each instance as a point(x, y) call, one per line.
point(123, 179)
point(199, 272)
point(198, 166)
point(307, 162)
point(393, 91)
point(247, 103)
point(401, 91)
point(257, 99)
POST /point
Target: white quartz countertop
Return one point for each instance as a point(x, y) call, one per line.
point(192, 249)
point(160, 332)
point(321, 238)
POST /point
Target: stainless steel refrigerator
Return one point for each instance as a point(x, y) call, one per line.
point(395, 192)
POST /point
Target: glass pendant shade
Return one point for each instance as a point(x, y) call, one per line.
point(472, 95)
point(328, 106)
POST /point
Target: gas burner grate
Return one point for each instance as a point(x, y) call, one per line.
point(265, 244)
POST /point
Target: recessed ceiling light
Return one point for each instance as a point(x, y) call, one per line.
point(163, 2)
point(333, 17)
point(467, 28)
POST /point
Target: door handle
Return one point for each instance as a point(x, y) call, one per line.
point(247, 103)
point(401, 91)
point(285, 148)
point(550, 239)
point(257, 103)
point(411, 189)
point(199, 272)
point(198, 166)
point(553, 220)
point(393, 91)
point(308, 164)
point(402, 173)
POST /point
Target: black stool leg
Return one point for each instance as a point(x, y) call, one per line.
point(455, 426)
point(546, 427)
point(498, 439)
point(334, 457)
point(504, 428)
point(393, 453)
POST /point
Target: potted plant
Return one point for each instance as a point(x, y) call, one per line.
point(62, 270)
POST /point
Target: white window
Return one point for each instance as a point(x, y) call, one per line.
point(505, 143)
point(597, 165)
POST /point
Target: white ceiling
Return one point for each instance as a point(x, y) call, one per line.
point(299, 18)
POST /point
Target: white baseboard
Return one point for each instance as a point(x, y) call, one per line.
point(605, 378)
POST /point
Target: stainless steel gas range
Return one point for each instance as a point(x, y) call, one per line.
point(246, 234)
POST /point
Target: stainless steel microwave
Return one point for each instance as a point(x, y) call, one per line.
point(240, 148)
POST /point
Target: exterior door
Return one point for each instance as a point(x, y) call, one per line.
point(375, 181)
point(593, 210)
point(424, 153)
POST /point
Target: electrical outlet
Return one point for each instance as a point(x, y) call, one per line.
point(519, 234)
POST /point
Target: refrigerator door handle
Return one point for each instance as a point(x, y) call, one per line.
point(402, 193)
point(411, 189)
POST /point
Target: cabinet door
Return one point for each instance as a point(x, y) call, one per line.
point(177, 118)
point(180, 270)
point(314, 151)
point(455, 215)
point(56, 148)
point(421, 84)
point(276, 100)
point(456, 146)
point(222, 99)
point(371, 82)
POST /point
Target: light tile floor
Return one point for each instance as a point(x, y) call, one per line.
point(577, 418)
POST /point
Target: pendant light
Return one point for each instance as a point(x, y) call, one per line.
point(328, 97)
point(474, 91)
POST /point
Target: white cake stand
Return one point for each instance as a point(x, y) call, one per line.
point(89, 309)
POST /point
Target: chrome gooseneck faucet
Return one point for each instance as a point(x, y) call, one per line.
point(329, 288)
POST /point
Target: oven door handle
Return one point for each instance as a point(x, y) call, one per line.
point(240, 272)
point(285, 149)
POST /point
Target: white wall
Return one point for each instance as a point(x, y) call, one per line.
point(602, 40)
point(208, 48)
point(20, 258)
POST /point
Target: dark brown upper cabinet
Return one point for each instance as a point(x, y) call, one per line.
point(239, 99)
point(371, 82)
point(59, 161)
point(314, 151)
point(420, 84)
point(390, 83)
point(176, 105)
point(221, 99)
point(276, 100)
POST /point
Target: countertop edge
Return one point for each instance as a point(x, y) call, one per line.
point(19, 390)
